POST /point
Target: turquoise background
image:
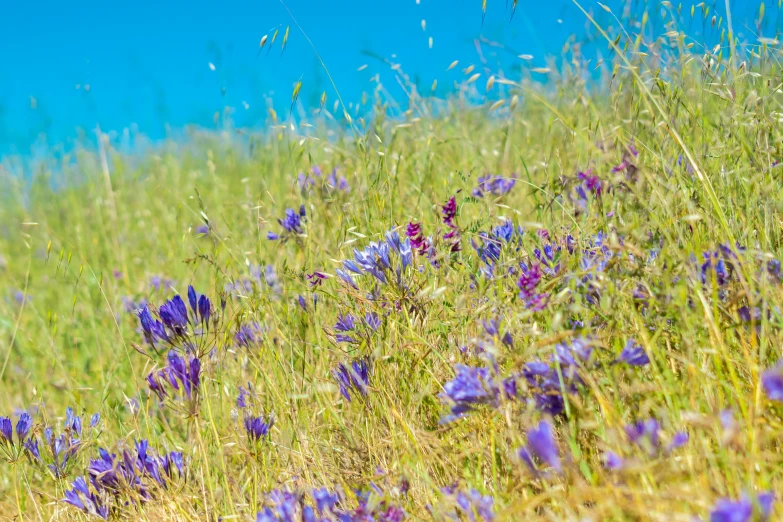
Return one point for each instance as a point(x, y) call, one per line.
point(146, 62)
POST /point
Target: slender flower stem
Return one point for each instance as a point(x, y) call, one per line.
point(206, 460)
point(217, 441)
point(16, 493)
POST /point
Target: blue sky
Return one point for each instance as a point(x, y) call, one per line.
point(146, 62)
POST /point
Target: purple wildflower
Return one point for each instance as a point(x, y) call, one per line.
point(204, 310)
point(171, 461)
point(646, 435)
point(316, 278)
point(545, 380)
point(187, 373)
point(113, 475)
point(613, 461)
point(182, 375)
point(372, 507)
point(772, 382)
point(774, 269)
point(491, 327)
point(152, 328)
point(576, 354)
point(547, 258)
point(174, 315)
point(627, 164)
point(633, 354)
point(679, 440)
point(472, 504)
point(285, 506)
point(13, 450)
point(272, 281)
point(31, 445)
point(545, 384)
point(242, 397)
point(159, 283)
point(642, 297)
point(385, 260)
point(417, 239)
point(339, 183)
point(373, 260)
point(88, 501)
point(200, 306)
point(489, 250)
point(291, 223)
point(351, 266)
point(406, 253)
point(528, 282)
point(620, 167)
point(496, 185)
point(202, 230)
point(155, 383)
point(507, 339)
point(541, 449)
point(372, 321)
point(60, 449)
point(353, 377)
point(644, 432)
point(23, 427)
point(174, 323)
point(345, 323)
point(345, 276)
point(506, 231)
point(715, 266)
point(325, 500)
point(249, 335)
point(742, 510)
point(21, 297)
point(6, 430)
point(591, 181)
point(449, 211)
point(581, 201)
point(471, 387)
point(306, 182)
point(257, 428)
point(749, 315)
point(537, 302)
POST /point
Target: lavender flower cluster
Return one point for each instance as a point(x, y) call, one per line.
point(386, 261)
point(181, 378)
point(133, 477)
point(292, 224)
point(175, 325)
point(53, 452)
point(328, 186)
point(324, 505)
point(353, 378)
point(59, 450)
point(352, 331)
point(495, 185)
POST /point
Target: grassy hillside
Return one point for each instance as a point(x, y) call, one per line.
point(562, 307)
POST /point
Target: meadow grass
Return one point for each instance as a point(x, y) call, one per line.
point(665, 245)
